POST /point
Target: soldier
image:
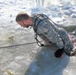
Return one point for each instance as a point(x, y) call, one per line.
point(53, 35)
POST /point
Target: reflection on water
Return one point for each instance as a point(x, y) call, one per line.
point(45, 63)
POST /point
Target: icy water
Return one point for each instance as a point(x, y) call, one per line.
point(30, 59)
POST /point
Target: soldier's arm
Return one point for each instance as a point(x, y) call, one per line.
point(68, 46)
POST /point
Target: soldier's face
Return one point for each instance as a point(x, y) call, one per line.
point(25, 23)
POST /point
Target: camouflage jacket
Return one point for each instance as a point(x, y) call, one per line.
point(51, 32)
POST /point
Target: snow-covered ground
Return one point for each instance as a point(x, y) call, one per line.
point(30, 59)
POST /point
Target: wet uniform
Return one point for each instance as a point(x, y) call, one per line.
point(51, 33)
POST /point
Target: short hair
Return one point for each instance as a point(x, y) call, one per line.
point(22, 16)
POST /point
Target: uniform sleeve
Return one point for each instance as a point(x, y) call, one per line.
point(50, 34)
point(68, 46)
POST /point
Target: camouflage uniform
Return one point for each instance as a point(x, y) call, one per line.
point(51, 33)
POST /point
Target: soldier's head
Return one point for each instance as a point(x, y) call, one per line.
point(24, 20)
